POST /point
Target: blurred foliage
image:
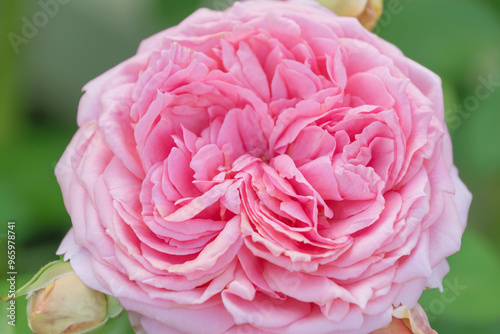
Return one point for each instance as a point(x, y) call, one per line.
point(40, 86)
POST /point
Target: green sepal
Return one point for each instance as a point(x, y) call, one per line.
point(114, 308)
point(46, 275)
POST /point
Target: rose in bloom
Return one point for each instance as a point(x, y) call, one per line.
point(272, 168)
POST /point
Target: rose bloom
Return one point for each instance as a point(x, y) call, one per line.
point(272, 168)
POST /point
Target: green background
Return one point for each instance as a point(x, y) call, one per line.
point(40, 86)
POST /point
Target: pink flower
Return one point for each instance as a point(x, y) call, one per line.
point(272, 168)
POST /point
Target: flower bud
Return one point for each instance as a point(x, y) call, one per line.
point(60, 303)
point(366, 11)
point(406, 321)
point(66, 306)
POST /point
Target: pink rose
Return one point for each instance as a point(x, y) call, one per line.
point(272, 168)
